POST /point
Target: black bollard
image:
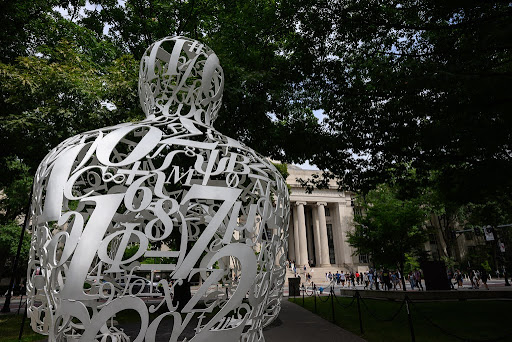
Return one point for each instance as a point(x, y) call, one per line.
point(409, 317)
point(332, 305)
point(314, 294)
point(19, 306)
point(359, 312)
point(303, 291)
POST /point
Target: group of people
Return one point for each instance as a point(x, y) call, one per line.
point(477, 278)
point(371, 279)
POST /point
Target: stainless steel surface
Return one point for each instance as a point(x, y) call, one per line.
point(136, 210)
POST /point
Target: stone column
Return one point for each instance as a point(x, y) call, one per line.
point(291, 241)
point(347, 220)
point(344, 220)
point(316, 232)
point(296, 235)
point(337, 233)
point(322, 228)
point(309, 234)
point(303, 244)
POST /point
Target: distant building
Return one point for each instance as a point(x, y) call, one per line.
point(320, 221)
point(319, 224)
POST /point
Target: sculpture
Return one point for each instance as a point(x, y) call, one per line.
point(115, 207)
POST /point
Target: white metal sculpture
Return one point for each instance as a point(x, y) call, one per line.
point(124, 217)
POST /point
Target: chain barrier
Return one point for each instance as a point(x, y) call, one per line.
point(305, 289)
point(326, 298)
point(405, 302)
point(343, 305)
point(383, 319)
point(451, 334)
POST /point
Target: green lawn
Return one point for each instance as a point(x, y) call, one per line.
point(478, 320)
point(10, 329)
point(475, 320)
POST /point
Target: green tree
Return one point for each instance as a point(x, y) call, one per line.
point(9, 239)
point(388, 228)
point(264, 60)
point(63, 75)
point(50, 98)
point(419, 82)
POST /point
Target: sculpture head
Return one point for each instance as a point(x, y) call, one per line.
point(181, 77)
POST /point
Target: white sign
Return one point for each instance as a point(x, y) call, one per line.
point(489, 236)
point(502, 246)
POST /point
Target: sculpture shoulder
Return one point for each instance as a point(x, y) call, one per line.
point(258, 163)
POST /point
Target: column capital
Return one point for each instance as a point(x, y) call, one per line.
point(321, 204)
point(300, 203)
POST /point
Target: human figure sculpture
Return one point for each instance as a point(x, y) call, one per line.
point(125, 216)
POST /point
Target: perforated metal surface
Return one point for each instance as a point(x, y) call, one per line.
point(127, 214)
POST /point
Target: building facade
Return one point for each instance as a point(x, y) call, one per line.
point(319, 224)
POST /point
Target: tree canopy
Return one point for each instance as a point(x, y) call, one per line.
point(407, 84)
point(63, 74)
point(417, 83)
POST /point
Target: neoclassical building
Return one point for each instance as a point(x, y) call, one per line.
point(318, 226)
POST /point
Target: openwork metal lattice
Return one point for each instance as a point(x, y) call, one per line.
point(126, 218)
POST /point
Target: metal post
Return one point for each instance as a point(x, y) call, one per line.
point(303, 291)
point(359, 312)
point(7, 302)
point(314, 293)
point(22, 324)
point(332, 305)
point(19, 306)
point(409, 317)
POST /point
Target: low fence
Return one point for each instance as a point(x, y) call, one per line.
point(405, 303)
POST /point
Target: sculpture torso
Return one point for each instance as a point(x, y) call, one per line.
point(168, 196)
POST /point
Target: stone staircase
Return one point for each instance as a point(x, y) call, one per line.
point(317, 273)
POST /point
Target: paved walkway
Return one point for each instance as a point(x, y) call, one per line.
point(301, 325)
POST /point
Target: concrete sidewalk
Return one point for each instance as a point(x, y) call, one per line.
point(301, 325)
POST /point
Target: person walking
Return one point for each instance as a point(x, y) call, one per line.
point(385, 280)
point(417, 278)
point(472, 279)
point(393, 280)
point(411, 280)
point(484, 277)
point(458, 278)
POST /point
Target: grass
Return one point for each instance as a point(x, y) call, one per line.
point(478, 320)
point(10, 329)
point(469, 320)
